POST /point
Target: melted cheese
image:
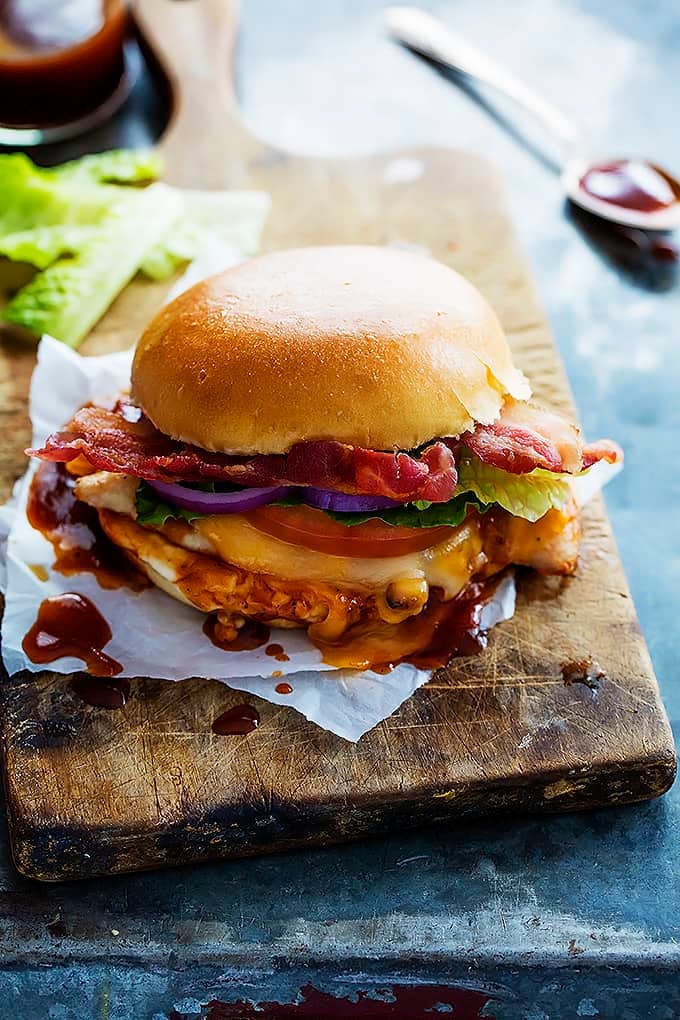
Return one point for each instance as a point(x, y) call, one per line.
point(448, 565)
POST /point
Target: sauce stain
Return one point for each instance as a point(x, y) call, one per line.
point(429, 640)
point(101, 693)
point(583, 671)
point(237, 721)
point(415, 1002)
point(283, 688)
point(73, 529)
point(251, 635)
point(70, 624)
point(631, 184)
point(40, 572)
point(277, 652)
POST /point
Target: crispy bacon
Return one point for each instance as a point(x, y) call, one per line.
point(603, 449)
point(527, 436)
point(123, 440)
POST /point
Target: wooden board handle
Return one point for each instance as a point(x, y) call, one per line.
point(193, 42)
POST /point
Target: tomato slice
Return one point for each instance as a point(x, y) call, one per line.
point(302, 525)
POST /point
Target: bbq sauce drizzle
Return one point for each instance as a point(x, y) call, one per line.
point(237, 721)
point(71, 625)
point(73, 529)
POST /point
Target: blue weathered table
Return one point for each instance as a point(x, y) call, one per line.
point(576, 916)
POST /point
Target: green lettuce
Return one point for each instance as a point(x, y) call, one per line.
point(89, 225)
point(152, 509)
point(32, 197)
point(231, 219)
point(68, 297)
point(42, 246)
point(417, 515)
point(79, 225)
point(529, 496)
point(118, 166)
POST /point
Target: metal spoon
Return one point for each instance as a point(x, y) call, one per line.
point(633, 192)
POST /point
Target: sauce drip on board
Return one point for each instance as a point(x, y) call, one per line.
point(583, 671)
point(237, 721)
point(74, 531)
point(71, 625)
point(251, 635)
point(429, 640)
point(631, 184)
point(101, 693)
point(283, 688)
point(58, 61)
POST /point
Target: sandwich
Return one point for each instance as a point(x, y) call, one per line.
point(333, 439)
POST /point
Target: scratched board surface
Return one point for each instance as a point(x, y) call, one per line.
point(93, 792)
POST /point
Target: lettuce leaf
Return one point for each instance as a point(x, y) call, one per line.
point(70, 295)
point(151, 509)
point(44, 245)
point(529, 496)
point(87, 227)
point(118, 166)
point(230, 219)
point(32, 197)
point(410, 515)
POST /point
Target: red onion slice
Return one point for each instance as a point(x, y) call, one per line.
point(218, 502)
point(343, 502)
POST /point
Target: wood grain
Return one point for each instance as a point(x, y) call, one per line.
point(95, 792)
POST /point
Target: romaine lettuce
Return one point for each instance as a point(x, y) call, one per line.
point(152, 509)
point(71, 294)
point(529, 495)
point(88, 231)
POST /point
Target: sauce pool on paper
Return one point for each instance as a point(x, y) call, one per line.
point(71, 625)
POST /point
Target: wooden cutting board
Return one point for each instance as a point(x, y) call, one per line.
point(96, 792)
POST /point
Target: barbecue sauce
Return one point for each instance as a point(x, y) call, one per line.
point(58, 61)
point(631, 184)
point(71, 625)
point(252, 635)
point(102, 692)
point(237, 721)
point(429, 640)
point(283, 688)
point(277, 652)
point(74, 531)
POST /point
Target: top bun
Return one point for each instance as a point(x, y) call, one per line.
point(375, 347)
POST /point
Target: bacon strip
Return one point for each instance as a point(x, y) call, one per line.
point(527, 436)
point(123, 440)
point(603, 449)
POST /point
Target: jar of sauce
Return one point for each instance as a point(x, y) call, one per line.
point(62, 66)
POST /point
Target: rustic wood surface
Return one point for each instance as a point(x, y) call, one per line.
point(96, 792)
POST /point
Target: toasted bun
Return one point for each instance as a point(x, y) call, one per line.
point(376, 347)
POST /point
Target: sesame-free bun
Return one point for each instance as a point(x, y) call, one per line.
point(375, 347)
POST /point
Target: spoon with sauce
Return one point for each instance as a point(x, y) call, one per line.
point(632, 192)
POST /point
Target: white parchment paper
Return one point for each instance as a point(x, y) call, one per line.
point(153, 634)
